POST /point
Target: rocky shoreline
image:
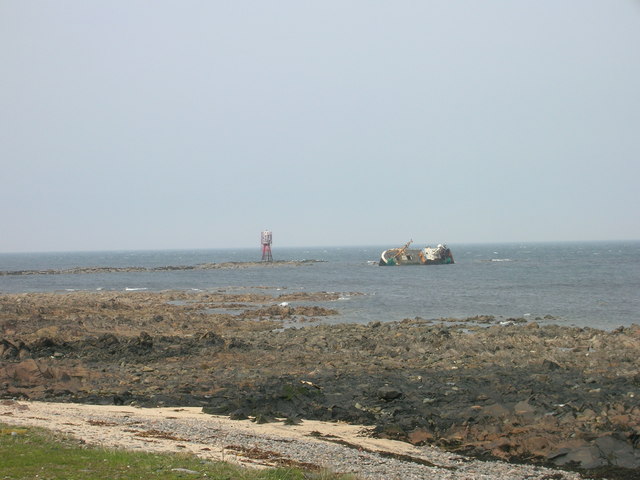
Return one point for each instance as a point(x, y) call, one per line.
point(202, 266)
point(515, 390)
point(311, 445)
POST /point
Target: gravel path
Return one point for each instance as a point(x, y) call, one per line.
point(334, 446)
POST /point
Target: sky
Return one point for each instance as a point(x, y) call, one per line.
point(138, 125)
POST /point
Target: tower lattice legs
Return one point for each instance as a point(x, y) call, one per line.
point(266, 253)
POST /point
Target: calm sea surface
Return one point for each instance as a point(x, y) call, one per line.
point(582, 284)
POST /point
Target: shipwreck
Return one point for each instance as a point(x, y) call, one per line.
point(440, 255)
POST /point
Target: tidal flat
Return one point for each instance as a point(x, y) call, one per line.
point(514, 390)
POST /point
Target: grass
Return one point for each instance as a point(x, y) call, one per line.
point(33, 453)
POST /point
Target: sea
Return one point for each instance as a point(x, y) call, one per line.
point(582, 284)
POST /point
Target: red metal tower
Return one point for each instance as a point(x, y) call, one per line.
point(265, 239)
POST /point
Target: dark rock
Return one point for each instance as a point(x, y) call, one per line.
point(44, 343)
point(240, 414)
point(584, 457)
point(292, 421)
point(107, 344)
point(8, 350)
point(617, 451)
point(549, 365)
point(262, 418)
point(145, 340)
point(212, 339)
point(236, 343)
point(388, 393)
point(141, 345)
point(221, 409)
point(392, 432)
point(609, 450)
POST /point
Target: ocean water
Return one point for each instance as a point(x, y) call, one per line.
point(582, 284)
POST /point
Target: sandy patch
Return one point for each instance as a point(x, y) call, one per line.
point(312, 444)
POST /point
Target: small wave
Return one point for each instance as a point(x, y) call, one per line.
point(501, 260)
point(137, 289)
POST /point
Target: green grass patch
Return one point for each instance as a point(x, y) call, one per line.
point(33, 453)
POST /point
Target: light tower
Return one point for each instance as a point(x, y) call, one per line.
point(265, 239)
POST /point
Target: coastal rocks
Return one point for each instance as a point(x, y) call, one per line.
point(519, 391)
point(204, 266)
point(141, 345)
point(388, 393)
point(286, 311)
point(8, 350)
point(614, 449)
point(211, 339)
point(33, 379)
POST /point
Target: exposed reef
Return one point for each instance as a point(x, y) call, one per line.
point(202, 266)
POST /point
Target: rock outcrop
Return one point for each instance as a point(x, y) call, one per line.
point(560, 395)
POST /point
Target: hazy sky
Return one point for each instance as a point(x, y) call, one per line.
point(128, 124)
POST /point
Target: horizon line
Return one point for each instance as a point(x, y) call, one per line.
point(257, 247)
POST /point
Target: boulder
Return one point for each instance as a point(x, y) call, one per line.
point(615, 450)
point(388, 393)
point(608, 450)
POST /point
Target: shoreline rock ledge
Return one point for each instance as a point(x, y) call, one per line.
point(202, 266)
point(560, 396)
